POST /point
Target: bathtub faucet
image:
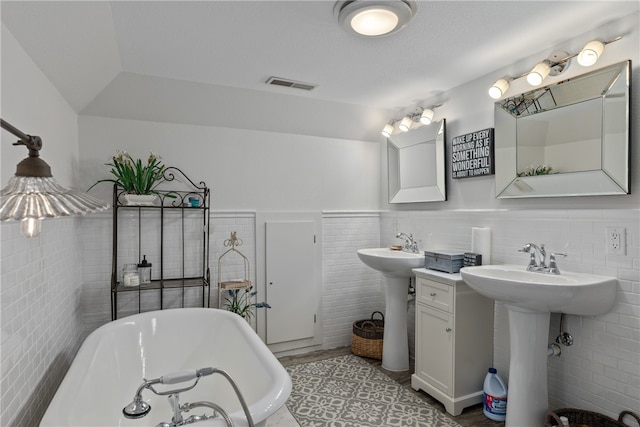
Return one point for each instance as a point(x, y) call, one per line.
point(138, 408)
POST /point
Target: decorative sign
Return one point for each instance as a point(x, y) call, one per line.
point(472, 154)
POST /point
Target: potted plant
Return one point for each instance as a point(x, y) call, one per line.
point(138, 179)
point(239, 302)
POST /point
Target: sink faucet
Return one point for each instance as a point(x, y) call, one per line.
point(536, 263)
point(410, 245)
point(539, 263)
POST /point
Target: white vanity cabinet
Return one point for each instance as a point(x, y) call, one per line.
point(454, 339)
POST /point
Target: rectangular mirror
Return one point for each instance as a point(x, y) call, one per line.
point(416, 165)
point(566, 139)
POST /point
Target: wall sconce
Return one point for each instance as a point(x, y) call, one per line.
point(590, 53)
point(427, 116)
point(387, 130)
point(499, 88)
point(375, 18)
point(539, 73)
point(405, 123)
point(33, 194)
point(424, 116)
point(556, 64)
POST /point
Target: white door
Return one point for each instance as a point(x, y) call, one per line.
point(290, 280)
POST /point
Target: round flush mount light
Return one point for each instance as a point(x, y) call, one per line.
point(375, 18)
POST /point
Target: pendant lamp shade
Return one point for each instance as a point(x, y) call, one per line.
point(33, 194)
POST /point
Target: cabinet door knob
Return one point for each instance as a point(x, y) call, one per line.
point(448, 329)
point(433, 294)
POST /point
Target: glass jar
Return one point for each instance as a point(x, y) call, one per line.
point(144, 270)
point(130, 276)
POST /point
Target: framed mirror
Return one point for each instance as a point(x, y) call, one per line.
point(566, 139)
point(416, 165)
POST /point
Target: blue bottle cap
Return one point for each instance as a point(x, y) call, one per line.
point(493, 371)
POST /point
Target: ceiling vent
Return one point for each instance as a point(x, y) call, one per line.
point(277, 81)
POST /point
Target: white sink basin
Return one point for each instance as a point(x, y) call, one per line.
point(391, 263)
point(571, 293)
point(530, 298)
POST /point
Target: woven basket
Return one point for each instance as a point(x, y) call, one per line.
point(366, 339)
point(581, 418)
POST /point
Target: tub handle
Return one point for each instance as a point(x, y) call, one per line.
point(182, 376)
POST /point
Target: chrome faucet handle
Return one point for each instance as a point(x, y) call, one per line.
point(553, 267)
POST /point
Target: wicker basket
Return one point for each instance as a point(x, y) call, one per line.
point(581, 418)
point(366, 339)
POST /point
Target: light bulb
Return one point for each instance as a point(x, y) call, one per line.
point(590, 53)
point(374, 22)
point(30, 227)
point(498, 89)
point(539, 73)
point(387, 130)
point(427, 116)
point(405, 124)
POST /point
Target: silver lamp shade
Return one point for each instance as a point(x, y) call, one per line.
point(33, 194)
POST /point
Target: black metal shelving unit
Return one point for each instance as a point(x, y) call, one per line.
point(169, 202)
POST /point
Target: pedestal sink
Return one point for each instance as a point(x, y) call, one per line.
point(396, 268)
point(530, 297)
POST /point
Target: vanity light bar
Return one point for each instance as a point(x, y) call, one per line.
point(554, 65)
point(422, 117)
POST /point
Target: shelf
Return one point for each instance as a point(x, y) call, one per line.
point(235, 284)
point(187, 208)
point(171, 247)
point(165, 284)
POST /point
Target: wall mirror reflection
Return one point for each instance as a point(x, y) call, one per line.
point(416, 165)
point(567, 139)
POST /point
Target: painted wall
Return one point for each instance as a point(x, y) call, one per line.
point(41, 281)
point(245, 169)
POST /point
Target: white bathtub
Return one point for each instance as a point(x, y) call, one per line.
point(114, 359)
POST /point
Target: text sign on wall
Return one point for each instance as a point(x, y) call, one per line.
point(472, 154)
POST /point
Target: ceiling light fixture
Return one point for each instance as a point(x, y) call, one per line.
point(375, 18)
point(554, 65)
point(33, 194)
point(421, 116)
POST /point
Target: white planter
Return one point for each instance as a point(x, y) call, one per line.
point(139, 199)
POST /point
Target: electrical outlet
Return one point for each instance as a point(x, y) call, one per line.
point(616, 240)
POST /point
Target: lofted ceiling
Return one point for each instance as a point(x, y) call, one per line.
point(96, 53)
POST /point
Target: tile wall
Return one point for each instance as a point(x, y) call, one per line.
point(352, 291)
point(41, 316)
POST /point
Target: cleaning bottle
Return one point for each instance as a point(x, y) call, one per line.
point(494, 396)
